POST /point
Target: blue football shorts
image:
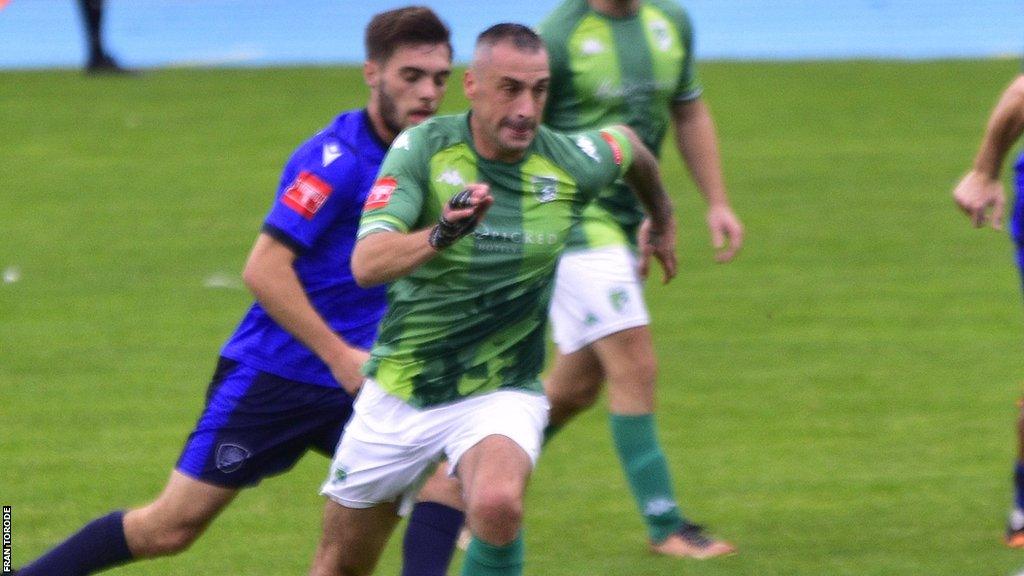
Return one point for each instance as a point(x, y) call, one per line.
point(256, 425)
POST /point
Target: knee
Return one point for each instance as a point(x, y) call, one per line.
point(496, 516)
point(150, 534)
point(178, 539)
point(572, 400)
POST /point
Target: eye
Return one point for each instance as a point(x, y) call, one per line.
point(412, 76)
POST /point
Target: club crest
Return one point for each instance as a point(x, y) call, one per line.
point(230, 457)
point(545, 188)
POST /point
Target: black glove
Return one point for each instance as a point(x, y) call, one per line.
point(446, 232)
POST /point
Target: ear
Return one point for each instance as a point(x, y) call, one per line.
point(469, 83)
point(371, 72)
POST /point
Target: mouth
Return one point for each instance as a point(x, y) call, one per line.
point(420, 114)
point(520, 129)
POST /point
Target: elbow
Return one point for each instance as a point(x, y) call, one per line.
point(1016, 92)
point(251, 277)
point(362, 272)
point(364, 280)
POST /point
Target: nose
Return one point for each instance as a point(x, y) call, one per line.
point(428, 90)
point(525, 106)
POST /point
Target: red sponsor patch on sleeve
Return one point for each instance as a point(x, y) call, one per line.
point(306, 194)
point(380, 194)
point(614, 144)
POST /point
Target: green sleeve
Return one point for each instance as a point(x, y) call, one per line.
point(396, 199)
point(689, 86)
point(607, 155)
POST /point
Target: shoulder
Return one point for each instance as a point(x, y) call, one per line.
point(338, 152)
point(561, 21)
point(432, 135)
point(568, 148)
point(673, 11)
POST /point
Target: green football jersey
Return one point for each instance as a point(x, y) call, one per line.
point(608, 70)
point(473, 318)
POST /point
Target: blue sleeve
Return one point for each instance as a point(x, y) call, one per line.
point(311, 197)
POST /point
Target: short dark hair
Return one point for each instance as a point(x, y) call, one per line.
point(522, 37)
point(389, 30)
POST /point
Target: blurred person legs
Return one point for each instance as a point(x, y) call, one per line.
point(600, 324)
point(1015, 523)
point(100, 61)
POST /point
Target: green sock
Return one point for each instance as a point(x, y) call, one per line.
point(483, 559)
point(647, 472)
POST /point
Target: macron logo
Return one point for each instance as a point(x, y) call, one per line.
point(331, 153)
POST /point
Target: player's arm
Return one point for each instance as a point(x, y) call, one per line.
point(386, 255)
point(271, 277)
point(659, 235)
point(697, 141)
point(383, 255)
point(980, 193)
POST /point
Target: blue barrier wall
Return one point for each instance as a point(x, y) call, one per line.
point(144, 33)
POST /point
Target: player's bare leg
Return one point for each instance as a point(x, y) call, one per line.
point(167, 525)
point(172, 522)
point(494, 474)
point(442, 488)
point(353, 539)
point(573, 385)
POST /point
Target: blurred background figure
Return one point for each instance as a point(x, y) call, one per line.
point(100, 61)
point(980, 195)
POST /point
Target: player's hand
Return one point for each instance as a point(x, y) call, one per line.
point(460, 215)
point(981, 197)
point(660, 243)
point(346, 368)
point(726, 232)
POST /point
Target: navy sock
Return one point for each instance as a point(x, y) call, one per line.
point(1018, 485)
point(99, 544)
point(430, 539)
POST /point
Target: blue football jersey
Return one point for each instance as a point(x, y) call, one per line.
point(316, 212)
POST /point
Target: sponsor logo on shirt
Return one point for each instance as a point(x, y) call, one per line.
point(614, 145)
point(380, 194)
point(490, 239)
point(306, 194)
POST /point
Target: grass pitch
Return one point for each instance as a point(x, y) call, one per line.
point(840, 400)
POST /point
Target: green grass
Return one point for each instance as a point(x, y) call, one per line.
point(840, 400)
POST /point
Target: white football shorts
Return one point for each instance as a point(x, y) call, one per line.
point(389, 447)
point(597, 293)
